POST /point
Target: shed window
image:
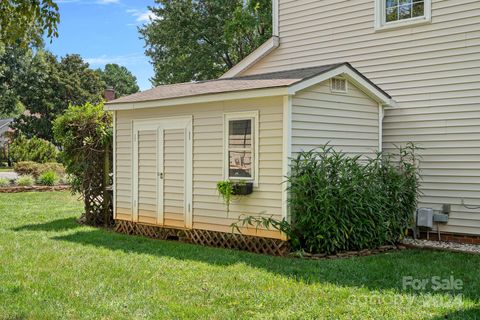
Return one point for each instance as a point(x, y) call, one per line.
point(398, 13)
point(240, 146)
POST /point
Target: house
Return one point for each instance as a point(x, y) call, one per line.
point(174, 143)
point(4, 128)
point(425, 54)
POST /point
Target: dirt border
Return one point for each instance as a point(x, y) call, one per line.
point(18, 189)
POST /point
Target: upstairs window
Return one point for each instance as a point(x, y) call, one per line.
point(241, 141)
point(399, 13)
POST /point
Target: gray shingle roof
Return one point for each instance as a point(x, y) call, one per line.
point(260, 81)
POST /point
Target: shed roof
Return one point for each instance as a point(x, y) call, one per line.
point(286, 79)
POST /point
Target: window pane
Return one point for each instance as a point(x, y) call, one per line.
point(240, 134)
point(418, 9)
point(391, 3)
point(240, 164)
point(402, 2)
point(405, 12)
point(392, 14)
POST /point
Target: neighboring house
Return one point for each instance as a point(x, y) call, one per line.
point(425, 54)
point(4, 128)
point(174, 143)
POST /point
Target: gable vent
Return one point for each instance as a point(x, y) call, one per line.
point(338, 85)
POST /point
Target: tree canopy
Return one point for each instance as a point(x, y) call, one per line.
point(120, 79)
point(49, 86)
point(198, 40)
point(25, 22)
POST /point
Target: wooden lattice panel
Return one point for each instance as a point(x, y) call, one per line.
point(207, 238)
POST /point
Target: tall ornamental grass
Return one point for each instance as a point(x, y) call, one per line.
point(341, 203)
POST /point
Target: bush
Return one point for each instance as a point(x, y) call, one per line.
point(36, 169)
point(4, 182)
point(25, 181)
point(341, 203)
point(34, 149)
point(48, 178)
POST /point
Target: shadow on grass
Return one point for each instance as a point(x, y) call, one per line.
point(55, 225)
point(469, 314)
point(379, 272)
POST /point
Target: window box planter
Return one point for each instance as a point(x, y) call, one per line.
point(242, 189)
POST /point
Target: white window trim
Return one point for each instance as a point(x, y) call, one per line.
point(339, 91)
point(241, 116)
point(381, 24)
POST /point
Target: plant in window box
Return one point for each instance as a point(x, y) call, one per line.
point(228, 188)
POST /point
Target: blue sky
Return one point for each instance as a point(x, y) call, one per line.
point(105, 31)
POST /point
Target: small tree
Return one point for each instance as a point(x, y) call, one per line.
point(85, 135)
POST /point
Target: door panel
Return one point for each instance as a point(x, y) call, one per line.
point(174, 177)
point(147, 175)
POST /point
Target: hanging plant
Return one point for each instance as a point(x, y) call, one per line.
point(225, 189)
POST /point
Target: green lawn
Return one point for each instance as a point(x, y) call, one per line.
point(52, 268)
point(3, 169)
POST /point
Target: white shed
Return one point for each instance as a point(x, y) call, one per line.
point(173, 143)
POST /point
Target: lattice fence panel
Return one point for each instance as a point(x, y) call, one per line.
point(207, 238)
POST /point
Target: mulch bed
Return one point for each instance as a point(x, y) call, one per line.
point(17, 189)
point(347, 254)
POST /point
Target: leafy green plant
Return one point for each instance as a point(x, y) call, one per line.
point(48, 178)
point(225, 189)
point(25, 181)
point(340, 203)
point(34, 149)
point(4, 182)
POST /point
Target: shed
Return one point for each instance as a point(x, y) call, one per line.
point(173, 143)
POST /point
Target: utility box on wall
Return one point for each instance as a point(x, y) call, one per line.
point(425, 217)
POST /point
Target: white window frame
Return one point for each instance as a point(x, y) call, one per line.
point(338, 91)
point(380, 17)
point(247, 115)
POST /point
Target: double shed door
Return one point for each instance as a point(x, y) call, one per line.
point(162, 172)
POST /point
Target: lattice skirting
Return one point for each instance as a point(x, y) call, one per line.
point(207, 238)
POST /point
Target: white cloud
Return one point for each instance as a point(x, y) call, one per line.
point(108, 1)
point(124, 60)
point(141, 16)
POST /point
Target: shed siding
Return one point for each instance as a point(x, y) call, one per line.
point(432, 71)
point(349, 122)
point(209, 212)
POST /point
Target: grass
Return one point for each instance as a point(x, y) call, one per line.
point(3, 169)
point(53, 268)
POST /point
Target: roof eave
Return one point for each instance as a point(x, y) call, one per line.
point(352, 75)
point(203, 98)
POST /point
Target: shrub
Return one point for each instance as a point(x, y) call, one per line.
point(48, 178)
point(25, 181)
point(36, 169)
point(85, 135)
point(341, 203)
point(34, 149)
point(4, 182)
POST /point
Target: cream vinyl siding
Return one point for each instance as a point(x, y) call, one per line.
point(432, 71)
point(209, 212)
point(347, 121)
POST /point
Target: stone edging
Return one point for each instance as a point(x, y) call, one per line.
point(18, 189)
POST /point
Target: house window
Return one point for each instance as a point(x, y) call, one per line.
point(241, 145)
point(399, 13)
